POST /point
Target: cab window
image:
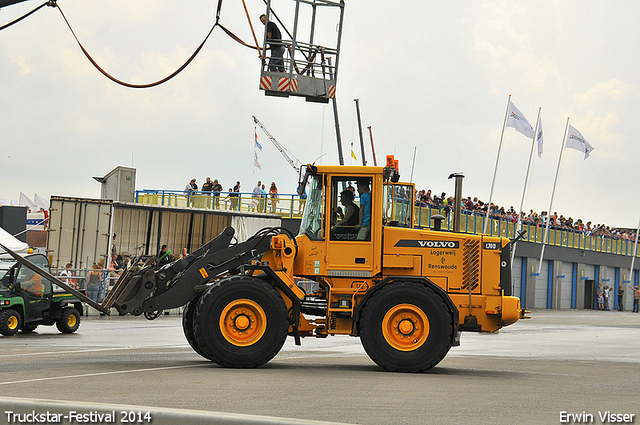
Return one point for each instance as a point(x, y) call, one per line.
point(313, 215)
point(398, 205)
point(350, 209)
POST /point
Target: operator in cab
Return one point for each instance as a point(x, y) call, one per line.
point(348, 219)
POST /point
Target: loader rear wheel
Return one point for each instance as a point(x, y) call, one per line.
point(240, 322)
point(10, 322)
point(406, 327)
point(69, 321)
point(187, 325)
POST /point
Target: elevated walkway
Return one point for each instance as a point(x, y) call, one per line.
point(575, 263)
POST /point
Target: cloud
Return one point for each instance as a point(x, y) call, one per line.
point(598, 111)
point(21, 61)
point(503, 43)
point(610, 91)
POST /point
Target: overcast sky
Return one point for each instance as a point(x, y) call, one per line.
point(433, 76)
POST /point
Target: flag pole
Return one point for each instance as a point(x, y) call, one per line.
point(553, 191)
point(255, 139)
point(526, 180)
point(504, 125)
point(415, 148)
point(635, 250)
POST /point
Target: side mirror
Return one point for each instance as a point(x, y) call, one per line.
point(17, 288)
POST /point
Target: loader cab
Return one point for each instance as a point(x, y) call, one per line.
point(342, 221)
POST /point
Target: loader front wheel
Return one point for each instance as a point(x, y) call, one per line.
point(240, 322)
point(406, 327)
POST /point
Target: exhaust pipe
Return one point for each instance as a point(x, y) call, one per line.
point(457, 207)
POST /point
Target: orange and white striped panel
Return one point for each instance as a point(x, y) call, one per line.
point(283, 84)
point(332, 91)
point(265, 83)
point(293, 87)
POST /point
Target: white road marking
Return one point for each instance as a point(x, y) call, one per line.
point(99, 374)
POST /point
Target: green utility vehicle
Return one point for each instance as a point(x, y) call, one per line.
point(28, 300)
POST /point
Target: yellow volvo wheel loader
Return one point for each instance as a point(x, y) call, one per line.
point(407, 292)
point(358, 266)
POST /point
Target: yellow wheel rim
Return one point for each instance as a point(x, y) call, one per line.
point(243, 322)
point(405, 327)
point(12, 323)
point(72, 320)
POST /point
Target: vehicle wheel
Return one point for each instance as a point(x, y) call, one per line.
point(10, 322)
point(69, 321)
point(241, 322)
point(406, 327)
point(27, 328)
point(187, 325)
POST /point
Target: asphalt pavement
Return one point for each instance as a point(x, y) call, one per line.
point(538, 371)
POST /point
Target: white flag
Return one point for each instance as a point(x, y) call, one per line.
point(26, 202)
point(577, 142)
point(40, 202)
point(517, 120)
point(539, 137)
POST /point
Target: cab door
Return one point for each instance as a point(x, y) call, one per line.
point(351, 243)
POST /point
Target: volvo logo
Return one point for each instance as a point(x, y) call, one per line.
point(427, 244)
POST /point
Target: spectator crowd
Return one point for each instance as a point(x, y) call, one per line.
point(477, 207)
point(425, 198)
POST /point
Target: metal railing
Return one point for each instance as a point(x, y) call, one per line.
point(474, 223)
point(291, 206)
point(303, 59)
point(285, 205)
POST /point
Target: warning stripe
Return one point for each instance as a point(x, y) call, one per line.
point(332, 91)
point(283, 84)
point(265, 83)
point(293, 87)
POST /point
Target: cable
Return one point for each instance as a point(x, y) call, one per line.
point(136, 86)
point(236, 38)
point(246, 11)
point(52, 3)
point(24, 16)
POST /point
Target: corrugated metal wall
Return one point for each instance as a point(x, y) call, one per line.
point(79, 230)
point(143, 229)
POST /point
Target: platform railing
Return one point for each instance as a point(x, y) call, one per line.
point(285, 205)
point(288, 205)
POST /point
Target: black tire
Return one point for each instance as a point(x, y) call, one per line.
point(240, 322)
point(10, 322)
point(27, 328)
point(187, 325)
point(69, 321)
point(406, 327)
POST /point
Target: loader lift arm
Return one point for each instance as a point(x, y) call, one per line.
point(143, 290)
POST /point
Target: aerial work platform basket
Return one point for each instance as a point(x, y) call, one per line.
point(307, 68)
